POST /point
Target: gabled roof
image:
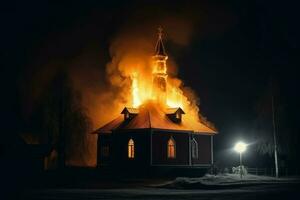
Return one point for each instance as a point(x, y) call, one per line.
point(174, 110)
point(130, 110)
point(152, 115)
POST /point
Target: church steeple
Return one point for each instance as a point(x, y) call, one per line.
point(159, 48)
point(159, 90)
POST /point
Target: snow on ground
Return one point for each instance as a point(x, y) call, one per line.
point(222, 181)
point(228, 178)
point(222, 186)
point(265, 192)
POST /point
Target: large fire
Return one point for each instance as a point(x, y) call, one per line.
point(157, 88)
point(174, 95)
point(136, 100)
point(137, 78)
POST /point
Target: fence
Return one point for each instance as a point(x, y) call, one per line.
point(271, 171)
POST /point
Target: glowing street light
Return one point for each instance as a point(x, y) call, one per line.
point(240, 147)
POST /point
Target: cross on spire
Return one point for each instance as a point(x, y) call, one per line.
point(160, 32)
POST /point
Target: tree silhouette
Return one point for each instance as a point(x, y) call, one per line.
point(61, 121)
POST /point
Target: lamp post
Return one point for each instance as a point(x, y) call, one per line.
point(240, 147)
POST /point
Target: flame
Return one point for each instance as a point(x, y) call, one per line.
point(142, 91)
point(159, 67)
point(174, 97)
point(136, 101)
point(158, 88)
point(137, 76)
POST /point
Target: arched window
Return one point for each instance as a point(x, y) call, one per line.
point(131, 148)
point(171, 148)
point(194, 145)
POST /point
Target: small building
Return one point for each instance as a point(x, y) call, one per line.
point(154, 135)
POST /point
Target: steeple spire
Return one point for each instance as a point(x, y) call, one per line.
point(159, 48)
point(159, 71)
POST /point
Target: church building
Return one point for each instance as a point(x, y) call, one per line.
point(153, 136)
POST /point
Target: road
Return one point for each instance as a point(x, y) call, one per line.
point(269, 191)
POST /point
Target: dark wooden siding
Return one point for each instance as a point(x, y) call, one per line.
point(159, 148)
point(204, 149)
point(141, 140)
point(118, 148)
point(104, 141)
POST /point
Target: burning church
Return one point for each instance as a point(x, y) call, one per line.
point(158, 130)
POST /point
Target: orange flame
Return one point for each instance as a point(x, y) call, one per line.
point(174, 97)
point(138, 76)
point(142, 91)
point(136, 101)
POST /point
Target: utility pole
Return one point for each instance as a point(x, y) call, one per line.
point(274, 131)
point(241, 164)
point(61, 137)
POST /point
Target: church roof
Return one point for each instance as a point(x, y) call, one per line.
point(152, 115)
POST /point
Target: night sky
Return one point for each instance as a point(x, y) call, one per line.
point(233, 50)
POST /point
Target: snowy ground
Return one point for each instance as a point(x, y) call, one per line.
point(219, 187)
point(223, 181)
point(265, 192)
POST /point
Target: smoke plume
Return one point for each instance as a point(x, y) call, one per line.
point(104, 84)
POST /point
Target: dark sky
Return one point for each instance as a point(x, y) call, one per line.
point(227, 62)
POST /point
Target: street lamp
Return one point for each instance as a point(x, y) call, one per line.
point(240, 147)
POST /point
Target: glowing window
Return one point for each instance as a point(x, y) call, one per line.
point(131, 149)
point(194, 148)
point(171, 148)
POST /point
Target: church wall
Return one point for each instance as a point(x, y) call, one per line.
point(159, 148)
point(204, 149)
point(104, 143)
point(141, 140)
point(118, 149)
